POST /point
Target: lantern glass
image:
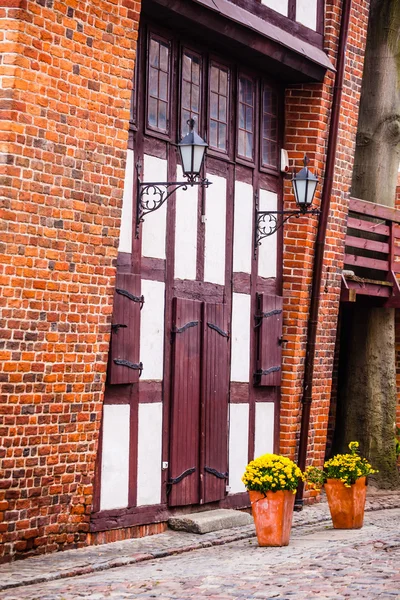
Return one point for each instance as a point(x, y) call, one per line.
point(304, 186)
point(192, 149)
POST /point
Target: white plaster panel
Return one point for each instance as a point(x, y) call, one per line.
point(152, 330)
point(215, 230)
point(115, 457)
point(125, 234)
point(154, 227)
point(243, 228)
point(149, 454)
point(238, 445)
point(306, 13)
point(281, 6)
point(268, 248)
point(264, 430)
point(240, 351)
point(186, 231)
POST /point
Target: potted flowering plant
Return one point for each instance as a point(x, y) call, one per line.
point(344, 480)
point(272, 481)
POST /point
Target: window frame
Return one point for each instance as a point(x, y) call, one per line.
point(152, 33)
point(200, 125)
point(264, 167)
point(211, 150)
point(252, 77)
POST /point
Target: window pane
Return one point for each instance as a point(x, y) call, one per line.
point(163, 89)
point(158, 84)
point(223, 83)
point(214, 134)
point(164, 57)
point(222, 136)
point(153, 82)
point(152, 112)
point(214, 79)
point(154, 54)
point(249, 145)
point(214, 106)
point(162, 115)
point(195, 99)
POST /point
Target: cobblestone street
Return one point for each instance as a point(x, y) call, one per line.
point(319, 563)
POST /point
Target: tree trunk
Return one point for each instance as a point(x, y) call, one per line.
point(367, 394)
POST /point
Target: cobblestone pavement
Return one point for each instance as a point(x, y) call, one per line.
point(319, 563)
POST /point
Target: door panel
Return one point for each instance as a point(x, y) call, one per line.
point(215, 387)
point(269, 328)
point(184, 483)
point(124, 365)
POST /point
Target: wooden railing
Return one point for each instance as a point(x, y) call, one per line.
point(372, 253)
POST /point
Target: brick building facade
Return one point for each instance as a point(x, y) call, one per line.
point(67, 74)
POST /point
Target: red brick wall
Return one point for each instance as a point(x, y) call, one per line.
point(307, 117)
point(65, 73)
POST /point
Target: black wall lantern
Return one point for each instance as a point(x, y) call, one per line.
point(151, 196)
point(269, 221)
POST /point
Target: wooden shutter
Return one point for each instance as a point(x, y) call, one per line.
point(215, 384)
point(183, 483)
point(124, 365)
point(268, 327)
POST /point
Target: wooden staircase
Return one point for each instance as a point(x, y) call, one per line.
point(372, 254)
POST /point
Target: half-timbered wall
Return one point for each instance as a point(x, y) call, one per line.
point(194, 417)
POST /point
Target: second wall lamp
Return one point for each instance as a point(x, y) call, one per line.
point(269, 221)
point(151, 196)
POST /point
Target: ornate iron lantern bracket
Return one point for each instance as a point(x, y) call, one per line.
point(151, 196)
point(269, 222)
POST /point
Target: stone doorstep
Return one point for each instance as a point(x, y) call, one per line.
point(208, 521)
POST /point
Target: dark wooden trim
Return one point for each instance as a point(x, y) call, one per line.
point(240, 500)
point(241, 283)
point(198, 290)
point(265, 394)
point(124, 262)
point(133, 447)
point(150, 391)
point(367, 226)
point(97, 471)
point(239, 393)
point(128, 517)
point(248, 37)
point(372, 209)
point(119, 394)
point(153, 146)
point(153, 269)
point(267, 286)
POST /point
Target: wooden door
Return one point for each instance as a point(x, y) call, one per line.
point(199, 403)
point(215, 378)
point(184, 480)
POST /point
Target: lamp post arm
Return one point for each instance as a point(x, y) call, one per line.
point(276, 219)
point(151, 196)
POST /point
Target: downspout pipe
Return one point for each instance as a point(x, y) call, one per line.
point(320, 246)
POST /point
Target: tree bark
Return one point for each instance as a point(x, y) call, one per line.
point(367, 393)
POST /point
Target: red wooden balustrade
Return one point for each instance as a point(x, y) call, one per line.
point(372, 253)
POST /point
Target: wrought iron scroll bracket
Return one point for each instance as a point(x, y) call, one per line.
point(151, 196)
point(268, 222)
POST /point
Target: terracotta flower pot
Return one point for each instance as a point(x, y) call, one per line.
point(272, 514)
point(346, 503)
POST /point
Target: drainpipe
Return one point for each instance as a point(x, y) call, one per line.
point(320, 246)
